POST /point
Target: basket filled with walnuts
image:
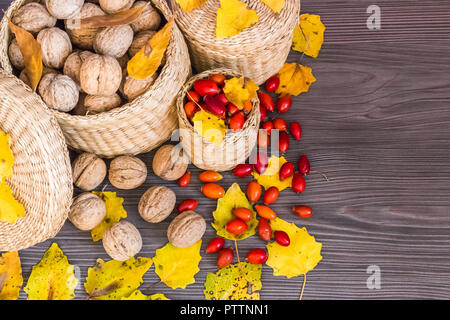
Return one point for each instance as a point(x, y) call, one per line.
point(110, 70)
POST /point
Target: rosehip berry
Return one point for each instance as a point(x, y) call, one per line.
point(215, 245)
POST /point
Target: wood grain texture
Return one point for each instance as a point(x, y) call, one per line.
point(377, 121)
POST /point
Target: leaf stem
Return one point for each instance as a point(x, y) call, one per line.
point(303, 286)
point(3, 277)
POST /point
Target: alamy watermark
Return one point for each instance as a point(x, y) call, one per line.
point(373, 282)
point(374, 20)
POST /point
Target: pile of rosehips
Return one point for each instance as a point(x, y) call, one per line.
point(207, 94)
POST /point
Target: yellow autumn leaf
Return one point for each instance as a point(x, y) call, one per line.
point(300, 257)
point(233, 17)
point(271, 177)
point(240, 90)
point(31, 53)
point(114, 280)
point(145, 64)
point(233, 198)
point(308, 35)
point(114, 212)
point(177, 267)
point(52, 278)
point(275, 5)
point(234, 282)
point(10, 276)
point(6, 157)
point(295, 79)
point(115, 19)
point(189, 5)
point(138, 295)
point(10, 209)
point(209, 126)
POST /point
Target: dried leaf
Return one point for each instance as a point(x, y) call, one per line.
point(31, 52)
point(308, 35)
point(138, 295)
point(275, 5)
point(177, 266)
point(300, 257)
point(240, 90)
point(52, 278)
point(233, 17)
point(209, 126)
point(234, 282)
point(295, 79)
point(111, 20)
point(6, 157)
point(114, 280)
point(271, 177)
point(10, 209)
point(114, 212)
point(233, 198)
point(10, 276)
point(189, 5)
point(144, 65)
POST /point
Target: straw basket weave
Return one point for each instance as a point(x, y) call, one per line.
point(42, 177)
point(235, 147)
point(257, 52)
point(136, 127)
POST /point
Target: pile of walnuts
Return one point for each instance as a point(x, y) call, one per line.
point(84, 67)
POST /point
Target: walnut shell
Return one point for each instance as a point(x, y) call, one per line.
point(80, 109)
point(83, 37)
point(169, 163)
point(56, 47)
point(73, 64)
point(64, 9)
point(59, 92)
point(15, 56)
point(87, 211)
point(99, 104)
point(127, 172)
point(100, 75)
point(156, 204)
point(123, 61)
point(148, 20)
point(186, 229)
point(139, 41)
point(132, 88)
point(114, 41)
point(88, 171)
point(113, 6)
point(33, 17)
point(122, 241)
point(24, 77)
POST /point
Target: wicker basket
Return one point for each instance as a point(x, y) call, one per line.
point(235, 147)
point(42, 176)
point(257, 52)
point(137, 127)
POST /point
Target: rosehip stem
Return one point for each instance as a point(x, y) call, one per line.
point(192, 99)
point(322, 174)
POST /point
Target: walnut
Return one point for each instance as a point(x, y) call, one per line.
point(140, 40)
point(186, 229)
point(84, 37)
point(169, 163)
point(24, 77)
point(100, 75)
point(73, 63)
point(88, 171)
point(59, 92)
point(122, 241)
point(15, 56)
point(132, 88)
point(80, 109)
point(114, 41)
point(126, 172)
point(113, 6)
point(33, 17)
point(56, 47)
point(123, 61)
point(156, 204)
point(99, 104)
point(87, 211)
point(64, 9)
point(148, 20)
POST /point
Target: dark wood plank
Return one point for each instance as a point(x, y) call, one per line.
point(378, 122)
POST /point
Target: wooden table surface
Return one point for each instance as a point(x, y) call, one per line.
point(377, 121)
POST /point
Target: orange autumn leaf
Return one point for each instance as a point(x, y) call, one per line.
point(308, 35)
point(233, 17)
point(31, 52)
point(295, 79)
point(111, 20)
point(144, 63)
point(275, 5)
point(189, 5)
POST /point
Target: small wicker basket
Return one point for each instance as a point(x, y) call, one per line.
point(137, 127)
point(42, 176)
point(257, 52)
point(235, 147)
